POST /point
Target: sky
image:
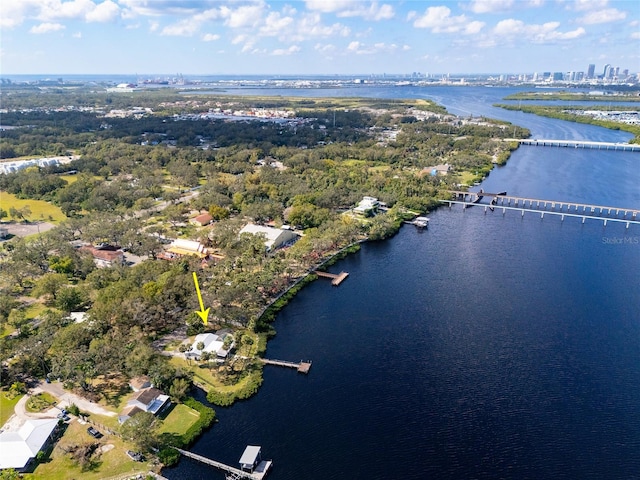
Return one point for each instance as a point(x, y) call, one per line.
point(316, 37)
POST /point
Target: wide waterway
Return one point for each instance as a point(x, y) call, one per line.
point(486, 347)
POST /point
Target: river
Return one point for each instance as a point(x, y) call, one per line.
point(488, 346)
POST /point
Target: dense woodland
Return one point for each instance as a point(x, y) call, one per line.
point(127, 189)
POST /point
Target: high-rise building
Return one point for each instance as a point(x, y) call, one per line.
point(606, 71)
point(591, 71)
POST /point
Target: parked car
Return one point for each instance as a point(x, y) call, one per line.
point(135, 456)
point(94, 433)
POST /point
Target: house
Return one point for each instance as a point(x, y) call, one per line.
point(367, 206)
point(148, 399)
point(438, 170)
point(104, 258)
point(274, 237)
point(182, 247)
point(202, 220)
point(213, 344)
point(19, 448)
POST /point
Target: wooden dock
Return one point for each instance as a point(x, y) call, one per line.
point(302, 367)
point(335, 279)
point(231, 472)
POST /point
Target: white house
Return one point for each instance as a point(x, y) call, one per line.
point(149, 400)
point(367, 206)
point(213, 344)
point(19, 448)
point(182, 246)
point(274, 237)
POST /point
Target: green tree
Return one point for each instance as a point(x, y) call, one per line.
point(179, 388)
point(142, 430)
point(50, 284)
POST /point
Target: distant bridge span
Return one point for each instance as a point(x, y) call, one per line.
point(546, 142)
point(560, 208)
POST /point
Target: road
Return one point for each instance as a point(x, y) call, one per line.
point(64, 400)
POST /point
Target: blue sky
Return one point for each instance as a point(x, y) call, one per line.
point(238, 37)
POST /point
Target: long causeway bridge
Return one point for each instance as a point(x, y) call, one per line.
point(545, 142)
point(563, 209)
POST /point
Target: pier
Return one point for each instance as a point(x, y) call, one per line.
point(558, 208)
point(258, 471)
point(545, 142)
point(302, 367)
point(335, 279)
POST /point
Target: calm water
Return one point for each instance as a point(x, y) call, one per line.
point(486, 347)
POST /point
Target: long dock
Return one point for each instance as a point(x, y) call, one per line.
point(335, 279)
point(232, 472)
point(546, 142)
point(302, 367)
point(558, 208)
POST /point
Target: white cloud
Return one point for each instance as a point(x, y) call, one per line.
point(438, 19)
point(244, 16)
point(275, 24)
point(77, 35)
point(607, 15)
point(635, 35)
point(360, 48)
point(103, 12)
point(490, 6)
point(583, 5)
point(184, 28)
point(210, 37)
point(286, 51)
point(350, 8)
point(473, 28)
point(511, 29)
point(310, 26)
point(46, 28)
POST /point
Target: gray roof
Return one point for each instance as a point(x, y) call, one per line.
point(250, 455)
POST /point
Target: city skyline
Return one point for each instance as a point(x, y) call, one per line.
point(244, 37)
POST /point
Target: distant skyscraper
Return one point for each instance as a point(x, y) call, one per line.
point(606, 71)
point(591, 71)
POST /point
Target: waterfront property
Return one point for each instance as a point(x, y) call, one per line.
point(368, 206)
point(149, 400)
point(212, 344)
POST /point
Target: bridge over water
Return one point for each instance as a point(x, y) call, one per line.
point(545, 207)
point(545, 142)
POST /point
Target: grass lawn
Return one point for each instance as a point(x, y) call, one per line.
point(7, 406)
point(41, 402)
point(40, 210)
point(111, 462)
point(179, 420)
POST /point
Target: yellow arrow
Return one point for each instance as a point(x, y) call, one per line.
point(203, 314)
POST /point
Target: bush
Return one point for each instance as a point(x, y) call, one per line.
point(224, 399)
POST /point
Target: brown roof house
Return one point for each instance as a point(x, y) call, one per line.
point(105, 258)
point(202, 220)
point(149, 400)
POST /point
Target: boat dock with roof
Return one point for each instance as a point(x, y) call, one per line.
point(252, 467)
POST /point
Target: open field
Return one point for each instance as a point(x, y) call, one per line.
point(7, 406)
point(40, 211)
point(179, 420)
